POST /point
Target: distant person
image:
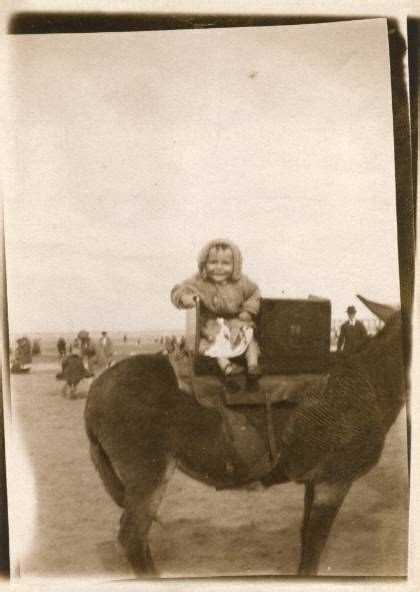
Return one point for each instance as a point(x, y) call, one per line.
point(73, 372)
point(61, 347)
point(88, 350)
point(352, 333)
point(125, 339)
point(36, 347)
point(22, 359)
point(104, 351)
point(24, 352)
point(168, 345)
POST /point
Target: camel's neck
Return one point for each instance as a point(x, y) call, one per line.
point(384, 365)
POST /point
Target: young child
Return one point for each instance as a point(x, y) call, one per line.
point(229, 303)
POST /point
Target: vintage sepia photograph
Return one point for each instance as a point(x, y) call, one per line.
point(205, 282)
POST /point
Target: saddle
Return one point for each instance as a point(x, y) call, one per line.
point(253, 440)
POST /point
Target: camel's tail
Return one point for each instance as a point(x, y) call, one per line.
point(106, 471)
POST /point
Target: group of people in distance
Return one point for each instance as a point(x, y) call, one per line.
point(78, 362)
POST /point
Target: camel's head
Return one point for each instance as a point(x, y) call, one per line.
point(384, 312)
point(391, 316)
point(385, 356)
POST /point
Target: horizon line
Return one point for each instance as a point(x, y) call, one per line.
point(157, 330)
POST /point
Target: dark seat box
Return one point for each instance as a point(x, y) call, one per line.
point(294, 337)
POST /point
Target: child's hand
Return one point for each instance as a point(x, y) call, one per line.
point(188, 301)
point(245, 316)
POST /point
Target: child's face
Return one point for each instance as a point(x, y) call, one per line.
point(219, 265)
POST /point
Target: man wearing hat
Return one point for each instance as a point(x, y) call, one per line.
point(352, 333)
point(105, 350)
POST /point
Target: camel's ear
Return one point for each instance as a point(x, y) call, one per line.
point(382, 311)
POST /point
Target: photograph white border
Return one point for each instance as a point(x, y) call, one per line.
point(392, 9)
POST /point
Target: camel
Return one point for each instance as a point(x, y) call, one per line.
point(141, 425)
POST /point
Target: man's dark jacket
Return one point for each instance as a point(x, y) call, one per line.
point(351, 336)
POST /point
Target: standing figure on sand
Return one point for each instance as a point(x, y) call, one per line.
point(353, 333)
point(22, 358)
point(88, 351)
point(104, 351)
point(230, 302)
point(61, 347)
point(73, 371)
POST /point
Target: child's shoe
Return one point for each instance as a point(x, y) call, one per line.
point(254, 372)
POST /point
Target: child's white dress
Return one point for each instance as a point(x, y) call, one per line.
point(228, 341)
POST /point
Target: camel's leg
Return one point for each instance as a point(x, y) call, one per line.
point(309, 497)
point(322, 502)
point(141, 501)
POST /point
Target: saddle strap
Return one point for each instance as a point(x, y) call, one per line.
point(247, 444)
point(274, 454)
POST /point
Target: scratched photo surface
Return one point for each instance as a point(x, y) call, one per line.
point(130, 152)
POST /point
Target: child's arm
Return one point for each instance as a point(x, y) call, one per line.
point(183, 295)
point(252, 299)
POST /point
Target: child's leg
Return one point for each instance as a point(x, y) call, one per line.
point(223, 363)
point(227, 367)
point(252, 354)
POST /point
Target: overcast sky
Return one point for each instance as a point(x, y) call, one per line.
point(131, 150)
